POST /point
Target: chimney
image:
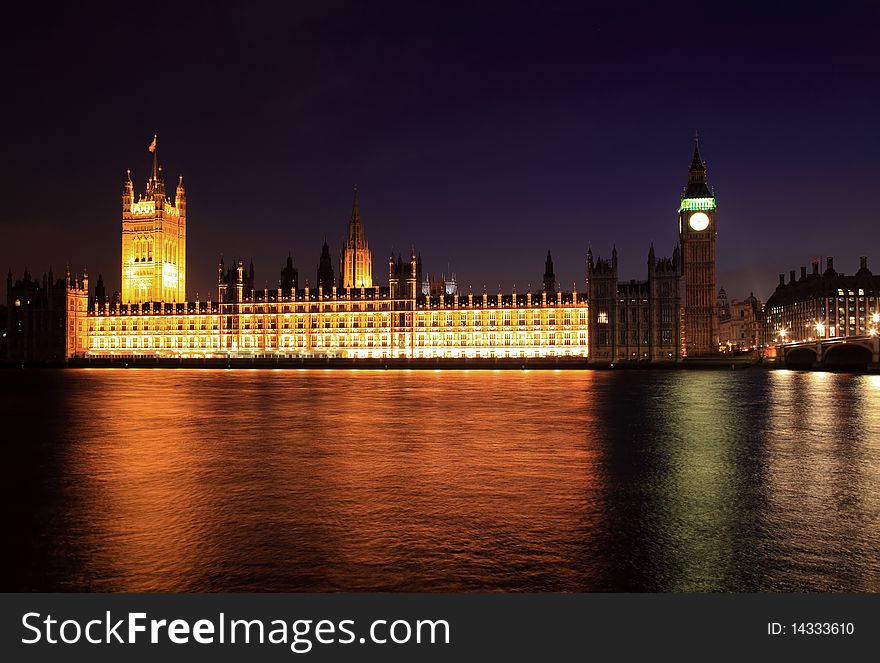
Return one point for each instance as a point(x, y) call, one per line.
point(803, 273)
point(815, 268)
point(791, 276)
point(863, 260)
point(829, 263)
point(782, 279)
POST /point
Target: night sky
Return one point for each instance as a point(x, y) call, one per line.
point(480, 134)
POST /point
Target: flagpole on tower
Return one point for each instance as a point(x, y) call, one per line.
point(155, 150)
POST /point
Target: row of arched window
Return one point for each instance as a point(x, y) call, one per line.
point(143, 250)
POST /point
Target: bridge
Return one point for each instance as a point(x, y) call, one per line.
point(856, 353)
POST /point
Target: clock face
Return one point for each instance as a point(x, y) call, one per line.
point(698, 221)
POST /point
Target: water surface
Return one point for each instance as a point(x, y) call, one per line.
point(263, 480)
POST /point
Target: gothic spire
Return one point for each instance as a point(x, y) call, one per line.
point(697, 161)
point(127, 188)
point(549, 276)
point(355, 229)
point(698, 186)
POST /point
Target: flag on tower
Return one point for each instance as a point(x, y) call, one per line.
point(152, 147)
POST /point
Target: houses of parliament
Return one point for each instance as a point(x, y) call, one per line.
point(348, 314)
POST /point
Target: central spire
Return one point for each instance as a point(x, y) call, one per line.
point(355, 228)
point(355, 209)
point(356, 265)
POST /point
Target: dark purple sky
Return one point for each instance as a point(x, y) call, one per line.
point(483, 134)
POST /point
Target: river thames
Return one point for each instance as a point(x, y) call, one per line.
point(297, 480)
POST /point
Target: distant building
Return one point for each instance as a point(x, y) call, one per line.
point(439, 285)
point(450, 284)
point(740, 323)
point(723, 305)
point(823, 305)
point(45, 321)
point(635, 320)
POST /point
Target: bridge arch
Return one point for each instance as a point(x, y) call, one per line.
point(847, 357)
point(801, 358)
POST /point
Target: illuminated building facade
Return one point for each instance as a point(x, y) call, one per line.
point(823, 305)
point(634, 320)
point(354, 320)
point(393, 322)
point(697, 234)
point(153, 241)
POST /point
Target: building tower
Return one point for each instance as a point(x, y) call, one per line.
point(153, 240)
point(664, 306)
point(549, 277)
point(404, 277)
point(697, 232)
point(602, 298)
point(356, 270)
point(289, 278)
point(100, 295)
point(325, 269)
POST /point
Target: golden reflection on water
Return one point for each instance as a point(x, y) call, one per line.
point(355, 476)
point(188, 480)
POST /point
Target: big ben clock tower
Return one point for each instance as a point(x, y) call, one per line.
point(697, 231)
